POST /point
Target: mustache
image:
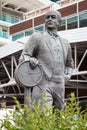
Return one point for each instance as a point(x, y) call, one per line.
point(49, 22)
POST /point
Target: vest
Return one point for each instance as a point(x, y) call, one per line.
point(57, 52)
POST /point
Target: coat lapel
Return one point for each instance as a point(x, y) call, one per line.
point(48, 42)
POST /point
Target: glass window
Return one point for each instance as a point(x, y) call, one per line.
point(28, 33)
point(4, 34)
point(72, 22)
point(9, 19)
point(83, 19)
point(62, 26)
point(17, 36)
point(39, 28)
point(13, 20)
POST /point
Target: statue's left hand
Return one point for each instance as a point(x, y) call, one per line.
point(67, 78)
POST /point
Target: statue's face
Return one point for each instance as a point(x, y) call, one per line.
point(51, 20)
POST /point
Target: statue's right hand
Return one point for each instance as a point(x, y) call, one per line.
point(33, 62)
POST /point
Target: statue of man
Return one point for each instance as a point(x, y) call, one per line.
point(55, 56)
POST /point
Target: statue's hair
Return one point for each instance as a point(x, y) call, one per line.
point(57, 13)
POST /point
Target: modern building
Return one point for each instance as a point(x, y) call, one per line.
point(13, 11)
point(73, 27)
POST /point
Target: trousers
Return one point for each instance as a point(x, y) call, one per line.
point(53, 92)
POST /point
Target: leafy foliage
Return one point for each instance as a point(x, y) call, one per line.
point(35, 119)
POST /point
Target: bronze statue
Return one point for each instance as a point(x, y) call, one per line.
point(54, 54)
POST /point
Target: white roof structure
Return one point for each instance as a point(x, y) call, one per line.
point(13, 47)
point(75, 35)
point(24, 5)
point(10, 48)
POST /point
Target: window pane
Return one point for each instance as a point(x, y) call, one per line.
point(62, 26)
point(40, 28)
point(83, 19)
point(17, 36)
point(72, 22)
point(28, 33)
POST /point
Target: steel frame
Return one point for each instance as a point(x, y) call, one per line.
point(10, 75)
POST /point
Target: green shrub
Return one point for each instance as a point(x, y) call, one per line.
point(72, 118)
point(25, 119)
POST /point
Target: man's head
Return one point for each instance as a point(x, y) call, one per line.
point(52, 20)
